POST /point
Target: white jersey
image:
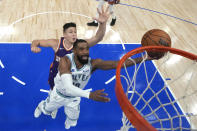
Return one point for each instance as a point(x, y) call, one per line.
point(80, 77)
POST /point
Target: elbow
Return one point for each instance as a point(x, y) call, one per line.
point(100, 36)
point(100, 39)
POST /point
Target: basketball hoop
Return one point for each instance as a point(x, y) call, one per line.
point(134, 114)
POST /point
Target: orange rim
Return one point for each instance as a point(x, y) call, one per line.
point(132, 114)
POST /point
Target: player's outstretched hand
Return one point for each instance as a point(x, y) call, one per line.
point(103, 15)
point(35, 49)
point(99, 95)
point(157, 56)
point(34, 46)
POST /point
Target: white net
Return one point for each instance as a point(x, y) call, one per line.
point(165, 96)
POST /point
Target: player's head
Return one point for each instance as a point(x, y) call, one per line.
point(70, 32)
point(81, 51)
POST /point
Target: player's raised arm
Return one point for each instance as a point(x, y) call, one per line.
point(107, 65)
point(102, 20)
point(36, 44)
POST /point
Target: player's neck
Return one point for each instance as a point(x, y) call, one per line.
point(68, 44)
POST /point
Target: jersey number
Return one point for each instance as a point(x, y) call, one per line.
point(76, 84)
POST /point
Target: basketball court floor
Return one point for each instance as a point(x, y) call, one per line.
point(23, 74)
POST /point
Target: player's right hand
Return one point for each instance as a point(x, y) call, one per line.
point(98, 95)
point(35, 49)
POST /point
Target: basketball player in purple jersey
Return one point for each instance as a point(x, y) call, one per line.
point(65, 44)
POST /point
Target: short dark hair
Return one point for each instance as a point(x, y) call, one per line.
point(67, 25)
point(77, 42)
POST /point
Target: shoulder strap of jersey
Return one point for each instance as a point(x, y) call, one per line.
point(60, 43)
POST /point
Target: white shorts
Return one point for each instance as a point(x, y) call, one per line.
point(57, 100)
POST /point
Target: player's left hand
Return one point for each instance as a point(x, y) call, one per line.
point(103, 15)
point(99, 95)
point(156, 56)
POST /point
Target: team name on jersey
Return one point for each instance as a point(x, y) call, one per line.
point(80, 77)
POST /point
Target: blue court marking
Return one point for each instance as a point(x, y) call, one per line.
point(160, 13)
point(19, 101)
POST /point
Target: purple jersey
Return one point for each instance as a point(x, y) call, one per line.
point(60, 52)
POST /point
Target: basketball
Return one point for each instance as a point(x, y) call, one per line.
point(156, 37)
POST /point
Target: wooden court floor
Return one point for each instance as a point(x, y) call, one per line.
point(26, 20)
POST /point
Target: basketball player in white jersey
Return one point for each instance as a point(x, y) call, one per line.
point(111, 4)
point(64, 45)
point(74, 72)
